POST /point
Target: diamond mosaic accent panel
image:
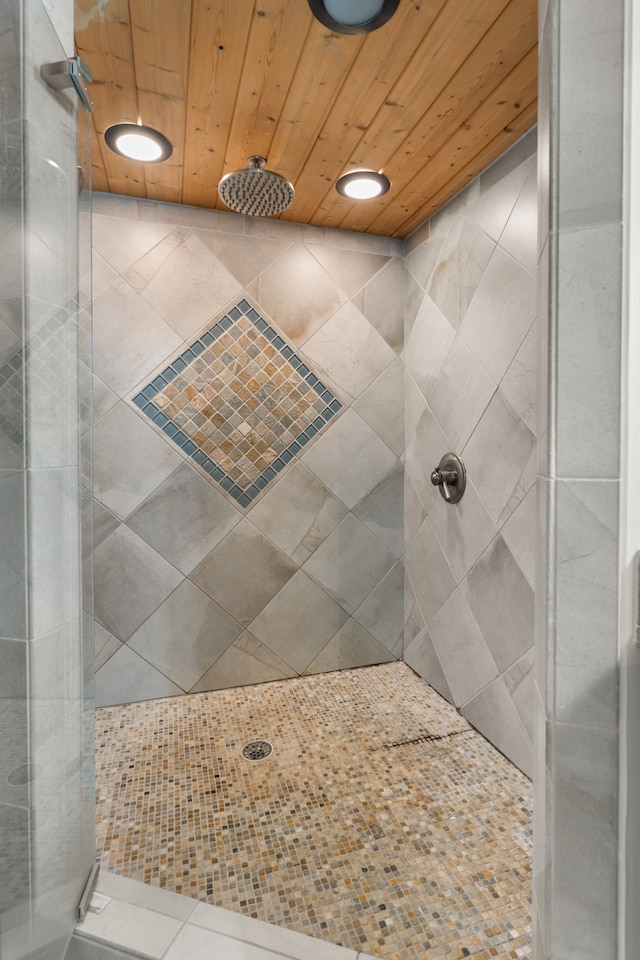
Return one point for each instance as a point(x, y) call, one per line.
point(240, 402)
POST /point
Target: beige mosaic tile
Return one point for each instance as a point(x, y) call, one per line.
point(381, 821)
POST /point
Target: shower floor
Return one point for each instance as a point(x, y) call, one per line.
point(381, 821)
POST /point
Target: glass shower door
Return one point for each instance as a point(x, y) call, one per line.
point(58, 431)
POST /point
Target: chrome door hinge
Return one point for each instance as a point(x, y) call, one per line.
point(72, 72)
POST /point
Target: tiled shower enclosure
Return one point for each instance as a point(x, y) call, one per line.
point(256, 497)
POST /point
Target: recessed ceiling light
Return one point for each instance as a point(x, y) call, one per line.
point(136, 142)
point(362, 185)
point(353, 16)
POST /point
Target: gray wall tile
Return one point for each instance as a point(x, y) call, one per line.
point(493, 713)
point(500, 459)
point(382, 510)
point(243, 572)
point(129, 338)
point(298, 513)
point(204, 630)
point(501, 601)
point(382, 303)
point(461, 393)
point(127, 678)
point(349, 458)
point(133, 581)
point(588, 352)
point(382, 407)
point(421, 656)
point(350, 563)
point(382, 612)
point(299, 622)
point(347, 351)
point(131, 460)
point(183, 281)
point(297, 291)
point(352, 269)
point(429, 573)
point(351, 646)
point(460, 268)
point(462, 651)
point(586, 672)
point(500, 314)
point(184, 518)
point(246, 661)
point(464, 529)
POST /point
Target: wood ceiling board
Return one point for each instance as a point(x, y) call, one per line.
point(160, 41)
point(278, 33)
point(105, 45)
point(375, 70)
point(455, 34)
point(316, 104)
point(219, 36)
point(500, 50)
point(497, 112)
point(320, 73)
point(440, 136)
point(464, 174)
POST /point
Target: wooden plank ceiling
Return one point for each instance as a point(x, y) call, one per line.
point(429, 99)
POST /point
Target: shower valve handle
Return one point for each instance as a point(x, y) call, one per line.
point(444, 479)
point(450, 476)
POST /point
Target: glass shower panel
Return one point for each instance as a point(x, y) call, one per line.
point(57, 437)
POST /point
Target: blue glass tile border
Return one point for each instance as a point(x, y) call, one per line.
point(144, 400)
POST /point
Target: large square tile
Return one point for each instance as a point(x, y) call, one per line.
point(349, 458)
point(350, 563)
point(132, 580)
point(129, 338)
point(382, 406)
point(460, 394)
point(348, 351)
point(428, 571)
point(183, 280)
point(466, 659)
point(244, 572)
point(500, 314)
point(298, 513)
point(184, 518)
point(297, 293)
point(500, 459)
point(382, 510)
point(130, 460)
point(299, 622)
point(185, 635)
point(502, 603)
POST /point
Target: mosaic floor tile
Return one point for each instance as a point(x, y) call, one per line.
point(240, 402)
point(381, 821)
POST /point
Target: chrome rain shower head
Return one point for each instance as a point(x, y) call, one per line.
point(255, 191)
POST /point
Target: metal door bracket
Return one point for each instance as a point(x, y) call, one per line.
point(90, 885)
point(72, 72)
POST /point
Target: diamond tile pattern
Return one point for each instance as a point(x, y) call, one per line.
point(240, 402)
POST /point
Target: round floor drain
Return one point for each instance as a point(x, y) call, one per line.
point(257, 750)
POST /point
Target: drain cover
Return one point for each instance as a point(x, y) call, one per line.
point(257, 750)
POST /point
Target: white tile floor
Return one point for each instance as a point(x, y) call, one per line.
point(145, 921)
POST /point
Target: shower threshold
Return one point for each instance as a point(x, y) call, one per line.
point(380, 821)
